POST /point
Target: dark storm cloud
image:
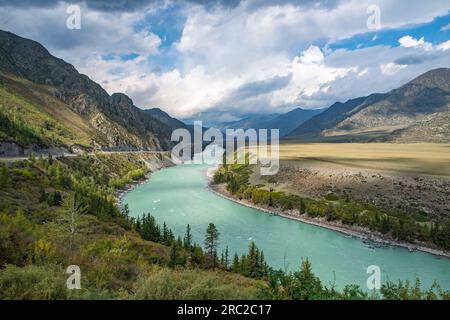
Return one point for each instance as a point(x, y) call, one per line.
point(100, 5)
point(257, 88)
point(112, 5)
point(254, 4)
point(415, 59)
point(133, 5)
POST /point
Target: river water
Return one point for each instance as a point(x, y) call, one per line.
point(179, 196)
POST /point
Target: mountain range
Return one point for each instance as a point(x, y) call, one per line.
point(417, 111)
point(45, 103)
point(285, 122)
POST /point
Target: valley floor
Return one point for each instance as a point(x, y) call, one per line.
point(401, 177)
point(407, 180)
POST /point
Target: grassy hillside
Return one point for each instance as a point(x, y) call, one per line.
point(125, 126)
point(36, 244)
point(31, 116)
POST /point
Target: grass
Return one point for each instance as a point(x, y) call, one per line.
point(417, 158)
point(33, 115)
point(116, 263)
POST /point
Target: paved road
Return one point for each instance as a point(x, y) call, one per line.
point(17, 159)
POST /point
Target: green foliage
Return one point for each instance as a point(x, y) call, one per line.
point(187, 241)
point(17, 237)
point(24, 122)
point(148, 229)
point(406, 227)
point(211, 242)
point(32, 283)
point(5, 178)
point(117, 260)
point(133, 175)
point(440, 234)
point(164, 284)
point(54, 199)
point(252, 265)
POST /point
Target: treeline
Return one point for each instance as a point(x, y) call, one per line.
point(90, 180)
point(184, 252)
point(408, 227)
point(278, 284)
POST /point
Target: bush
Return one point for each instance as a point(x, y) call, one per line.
point(32, 283)
point(166, 284)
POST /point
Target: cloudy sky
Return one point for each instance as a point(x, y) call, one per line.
point(221, 60)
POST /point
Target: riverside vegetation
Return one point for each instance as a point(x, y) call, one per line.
point(59, 212)
point(397, 225)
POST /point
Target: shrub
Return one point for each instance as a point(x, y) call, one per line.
point(32, 283)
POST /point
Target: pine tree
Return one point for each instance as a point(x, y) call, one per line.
point(197, 256)
point(165, 233)
point(173, 255)
point(235, 266)
point(188, 238)
point(4, 177)
point(226, 261)
point(211, 243)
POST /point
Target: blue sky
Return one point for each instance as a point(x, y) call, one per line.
point(229, 59)
point(431, 31)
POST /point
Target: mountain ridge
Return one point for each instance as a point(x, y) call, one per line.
point(285, 122)
point(111, 115)
point(385, 116)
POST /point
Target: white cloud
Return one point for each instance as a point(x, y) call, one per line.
point(446, 27)
point(312, 55)
point(444, 45)
point(410, 42)
point(101, 33)
point(272, 49)
point(391, 68)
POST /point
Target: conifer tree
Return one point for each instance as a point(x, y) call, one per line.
point(188, 238)
point(211, 242)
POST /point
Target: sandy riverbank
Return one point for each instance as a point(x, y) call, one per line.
point(355, 232)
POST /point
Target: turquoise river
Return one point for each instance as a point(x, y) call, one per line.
point(180, 196)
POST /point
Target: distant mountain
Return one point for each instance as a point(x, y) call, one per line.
point(30, 73)
point(413, 112)
point(165, 118)
point(288, 121)
point(284, 122)
point(253, 121)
